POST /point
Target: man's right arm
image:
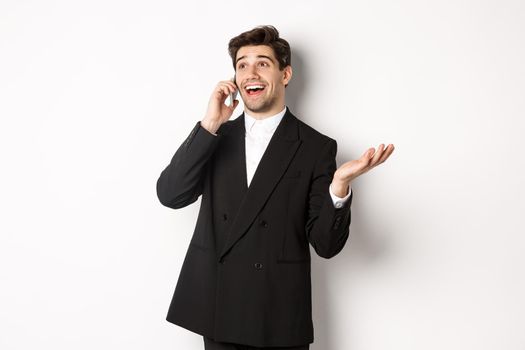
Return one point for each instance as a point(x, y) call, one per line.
point(180, 183)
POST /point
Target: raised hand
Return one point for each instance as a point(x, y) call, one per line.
point(218, 112)
point(350, 170)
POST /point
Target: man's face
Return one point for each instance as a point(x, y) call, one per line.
point(260, 81)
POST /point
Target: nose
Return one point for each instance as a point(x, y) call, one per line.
point(252, 72)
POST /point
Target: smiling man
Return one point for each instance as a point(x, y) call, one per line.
point(269, 189)
point(262, 79)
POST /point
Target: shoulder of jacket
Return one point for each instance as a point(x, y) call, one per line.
point(310, 134)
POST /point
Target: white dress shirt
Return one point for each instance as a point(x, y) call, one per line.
point(258, 135)
point(257, 138)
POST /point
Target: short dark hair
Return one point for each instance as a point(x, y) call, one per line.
point(262, 35)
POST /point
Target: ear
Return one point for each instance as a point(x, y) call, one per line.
point(287, 75)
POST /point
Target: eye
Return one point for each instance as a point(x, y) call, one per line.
point(263, 64)
point(241, 66)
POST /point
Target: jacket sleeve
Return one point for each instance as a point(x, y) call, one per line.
point(180, 183)
point(327, 227)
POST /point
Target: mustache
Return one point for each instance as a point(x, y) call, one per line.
point(253, 82)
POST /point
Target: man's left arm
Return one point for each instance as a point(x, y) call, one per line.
point(328, 222)
point(327, 227)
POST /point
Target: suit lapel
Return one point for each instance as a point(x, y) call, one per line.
point(274, 162)
point(235, 162)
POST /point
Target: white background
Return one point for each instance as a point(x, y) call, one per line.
point(96, 96)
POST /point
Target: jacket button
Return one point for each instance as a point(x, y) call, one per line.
point(264, 223)
point(258, 266)
point(224, 217)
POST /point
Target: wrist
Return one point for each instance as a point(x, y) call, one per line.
point(340, 188)
point(212, 127)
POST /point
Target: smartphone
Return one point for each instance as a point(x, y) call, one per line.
point(233, 95)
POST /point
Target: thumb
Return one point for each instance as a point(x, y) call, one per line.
point(369, 153)
point(235, 104)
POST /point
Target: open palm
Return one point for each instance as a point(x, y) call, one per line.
point(370, 159)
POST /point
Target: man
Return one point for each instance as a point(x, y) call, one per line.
point(269, 188)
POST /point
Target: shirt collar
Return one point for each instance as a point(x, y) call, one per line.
point(269, 124)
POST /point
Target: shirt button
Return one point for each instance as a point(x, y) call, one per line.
point(264, 223)
point(338, 204)
point(258, 266)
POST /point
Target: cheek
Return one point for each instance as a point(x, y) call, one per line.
point(279, 79)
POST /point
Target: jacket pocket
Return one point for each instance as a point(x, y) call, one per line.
point(294, 261)
point(293, 248)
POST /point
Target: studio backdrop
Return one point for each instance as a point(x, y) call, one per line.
point(96, 97)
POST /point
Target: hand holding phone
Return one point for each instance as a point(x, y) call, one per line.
point(218, 112)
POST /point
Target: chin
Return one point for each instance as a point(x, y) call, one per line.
point(264, 106)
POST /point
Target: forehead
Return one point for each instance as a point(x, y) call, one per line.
point(253, 51)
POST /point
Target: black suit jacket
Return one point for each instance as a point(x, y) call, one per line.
point(246, 275)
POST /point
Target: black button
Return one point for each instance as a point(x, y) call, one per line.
point(224, 217)
point(264, 223)
point(258, 266)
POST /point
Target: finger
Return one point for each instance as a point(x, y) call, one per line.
point(365, 158)
point(388, 151)
point(223, 91)
point(377, 155)
point(230, 84)
point(225, 87)
point(233, 85)
point(368, 153)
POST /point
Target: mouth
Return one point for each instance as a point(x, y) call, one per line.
point(254, 89)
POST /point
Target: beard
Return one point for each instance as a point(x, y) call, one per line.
point(260, 105)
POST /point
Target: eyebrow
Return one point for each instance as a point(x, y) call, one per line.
point(258, 56)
